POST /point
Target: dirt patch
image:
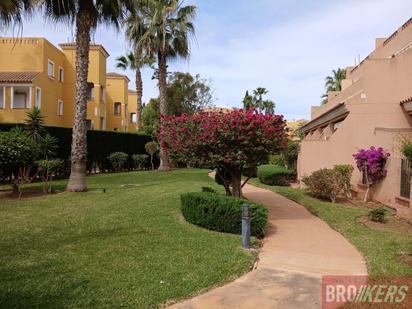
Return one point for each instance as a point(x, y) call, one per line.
point(360, 203)
point(9, 195)
point(406, 258)
point(393, 223)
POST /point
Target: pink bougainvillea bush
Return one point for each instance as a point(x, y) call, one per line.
point(372, 162)
point(226, 141)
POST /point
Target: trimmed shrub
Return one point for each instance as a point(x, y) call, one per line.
point(344, 175)
point(329, 183)
point(275, 175)
point(140, 160)
point(324, 184)
point(222, 213)
point(118, 160)
point(378, 214)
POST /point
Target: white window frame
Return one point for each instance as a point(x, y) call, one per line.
point(12, 96)
point(48, 72)
point(60, 112)
point(37, 101)
point(3, 106)
point(61, 76)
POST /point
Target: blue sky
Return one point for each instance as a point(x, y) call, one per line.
point(287, 47)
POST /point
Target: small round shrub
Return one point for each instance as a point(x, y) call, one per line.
point(275, 175)
point(118, 160)
point(378, 214)
point(222, 213)
point(140, 160)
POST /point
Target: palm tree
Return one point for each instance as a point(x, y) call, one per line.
point(165, 28)
point(136, 61)
point(258, 94)
point(87, 15)
point(333, 83)
point(268, 106)
point(11, 11)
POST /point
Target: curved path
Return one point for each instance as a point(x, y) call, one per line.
point(298, 249)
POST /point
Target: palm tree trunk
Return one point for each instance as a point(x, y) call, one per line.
point(164, 160)
point(139, 95)
point(77, 181)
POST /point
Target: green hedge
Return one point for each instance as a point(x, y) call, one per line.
point(275, 175)
point(100, 144)
point(222, 213)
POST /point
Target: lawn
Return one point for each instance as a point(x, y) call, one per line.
point(128, 247)
point(381, 249)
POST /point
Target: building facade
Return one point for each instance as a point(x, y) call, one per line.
point(34, 72)
point(374, 108)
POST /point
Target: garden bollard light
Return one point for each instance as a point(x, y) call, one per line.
point(245, 226)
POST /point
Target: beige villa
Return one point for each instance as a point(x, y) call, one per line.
point(374, 108)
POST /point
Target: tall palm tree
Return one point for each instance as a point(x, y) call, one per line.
point(11, 11)
point(86, 15)
point(166, 29)
point(258, 94)
point(333, 83)
point(268, 106)
point(136, 61)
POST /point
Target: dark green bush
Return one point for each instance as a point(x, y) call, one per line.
point(222, 213)
point(208, 189)
point(118, 160)
point(140, 161)
point(100, 144)
point(249, 171)
point(275, 175)
point(378, 214)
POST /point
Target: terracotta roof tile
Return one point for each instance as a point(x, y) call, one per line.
point(18, 77)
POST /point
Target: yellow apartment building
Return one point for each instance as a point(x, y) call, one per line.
point(34, 72)
point(132, 110)
point(117, 102)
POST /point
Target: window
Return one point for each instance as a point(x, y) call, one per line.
point(21, 97)
point(117, 108)
point(405, 190)
point(102, 123)
point(89, 124)
point(2, 97)
point(90, 91)
point(50, 68)
point(133, 117)
point(61, 74)
point(102, 94)
point(60, 108)
point(126, 110)
point(96, 111)
point(38, 97)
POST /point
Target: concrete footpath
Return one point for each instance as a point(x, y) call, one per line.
point(299, 248)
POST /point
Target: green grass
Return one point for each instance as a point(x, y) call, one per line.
point(128, 247)
point(381, 249)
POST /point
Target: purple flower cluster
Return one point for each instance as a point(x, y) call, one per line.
point(372, 161)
